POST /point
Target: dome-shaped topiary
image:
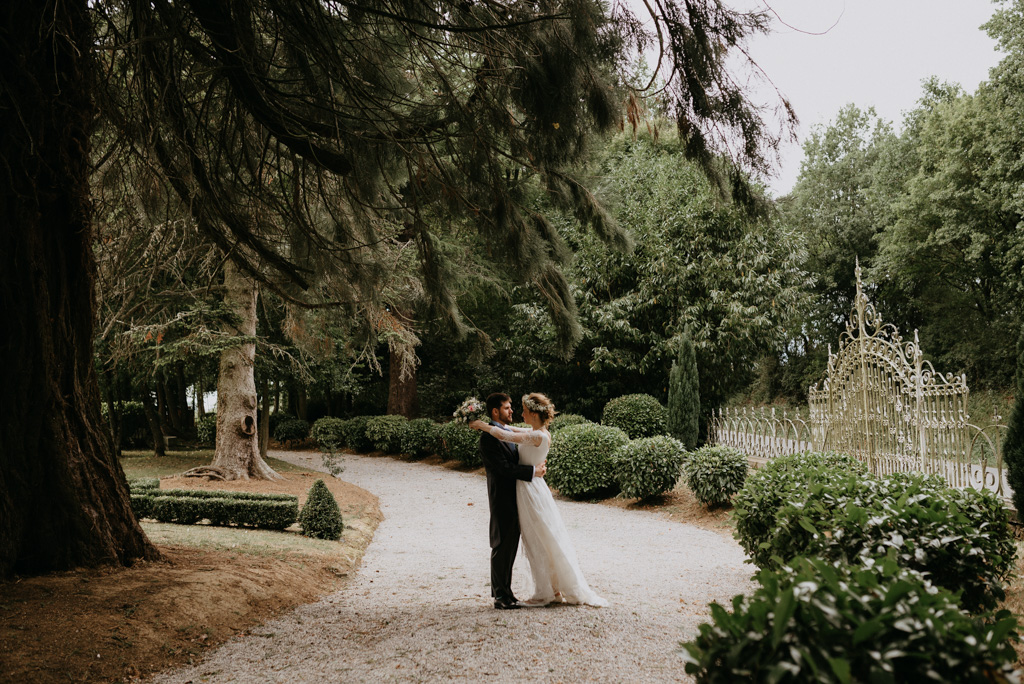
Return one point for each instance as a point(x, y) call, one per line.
point(563, 420)
point(459, 442)
point(320, 516)
point(638, 415)
point(649, 466)
point(421, 438)
point(580, 460)
point(715, 473)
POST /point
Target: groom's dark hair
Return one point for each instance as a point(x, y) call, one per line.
point(494, 401)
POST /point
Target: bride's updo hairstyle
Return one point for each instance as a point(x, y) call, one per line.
point(541, 405)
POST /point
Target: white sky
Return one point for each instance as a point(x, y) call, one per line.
point(876, 55)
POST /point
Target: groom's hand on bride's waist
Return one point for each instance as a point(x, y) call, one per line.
point(540, 469)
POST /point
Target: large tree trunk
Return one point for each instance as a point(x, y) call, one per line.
point(63, 496)
point(403, 399)
point(238, 451)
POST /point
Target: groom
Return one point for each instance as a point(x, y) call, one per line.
point(501, 460)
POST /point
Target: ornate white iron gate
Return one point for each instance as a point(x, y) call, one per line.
point(883, 403)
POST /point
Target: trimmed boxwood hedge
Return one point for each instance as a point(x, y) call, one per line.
point(354, 431)
point(649, 466)
point(187, 507)
point(580, 460)
point(142, 484)
point(320, 516)
point(328, 433)
point(715, 473)
point(460, 443)
point(563, 420)
point(420, 438)
point(638, 415)
point(385, 432)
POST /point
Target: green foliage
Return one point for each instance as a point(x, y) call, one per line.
point(638, 415)
point(386, 432)
point(206, 429)
point(580, 460)
point(648, 466)
point(565, 420)
point(187, 507)
point(683, 412)
point(354, 432)
point(328, 433)
point(320, 516)
point(291, 430)
point(781, 480)
point(139, 485)
point(836, 623)
point(962, 538)
point(421, 438)
point(459, 443)
point(715, 473)
point(1013, 445)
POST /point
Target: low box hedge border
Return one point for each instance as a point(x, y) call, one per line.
point(187, 507)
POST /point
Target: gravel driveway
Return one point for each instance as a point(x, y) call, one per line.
point(419, 608)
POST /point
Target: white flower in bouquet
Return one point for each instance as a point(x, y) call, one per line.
point(469, 410)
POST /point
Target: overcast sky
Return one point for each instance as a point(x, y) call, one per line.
point(876, 55)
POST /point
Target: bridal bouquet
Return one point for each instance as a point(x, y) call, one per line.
point(469, 410)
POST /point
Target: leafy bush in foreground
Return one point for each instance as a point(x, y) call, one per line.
point(638, 415)
point(580, 460)
point(824, 622)
point(649, 466)
point(715, 473)
point(320, 516)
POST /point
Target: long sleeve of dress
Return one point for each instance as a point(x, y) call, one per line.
point(519, 436)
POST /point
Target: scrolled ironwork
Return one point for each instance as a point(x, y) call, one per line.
point(883, 403)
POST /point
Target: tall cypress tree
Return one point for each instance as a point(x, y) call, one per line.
point(1013, 446)
point(684, 396)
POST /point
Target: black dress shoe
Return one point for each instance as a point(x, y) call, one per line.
point(506, 603)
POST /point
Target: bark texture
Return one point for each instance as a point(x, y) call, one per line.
point(238, 450)
point(403, 399)
point(63, 496)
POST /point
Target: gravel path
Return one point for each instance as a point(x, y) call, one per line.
point(419, 607)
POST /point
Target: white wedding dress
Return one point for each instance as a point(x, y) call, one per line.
point(553, 566)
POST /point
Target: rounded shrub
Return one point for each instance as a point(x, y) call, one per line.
point(580, 460)
point(420, 438)
point(320, 516)
point(354, 433)
point(385, 432)
point(327, 433)
point(837, 623)
point(565, 420)
point(459, 442)
point(649, 466)
point(715, 473)
point(781, 480)
point(206, 429)
point(638, 415)
point(291, 430)
point(961, 538)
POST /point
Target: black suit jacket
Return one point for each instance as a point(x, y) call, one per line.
point(501, 461)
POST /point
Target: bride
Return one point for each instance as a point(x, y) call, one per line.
point(556, 572)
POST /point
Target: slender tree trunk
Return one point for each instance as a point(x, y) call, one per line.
point(185, 420)
point(200, 404)
point(153, 419)
point(264, 416)
point(63, 495)
point(238, 454)
point(113, 412)
point(299, 400)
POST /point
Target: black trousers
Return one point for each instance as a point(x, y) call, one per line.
point(504, 546)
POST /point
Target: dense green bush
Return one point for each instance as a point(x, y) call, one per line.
point(565, 420)
point(836, 623)
point(385, 433)
point(328, 434)
point(291, 430)
point(781, 480)
point(460, 443)
point(421, 438)
point(580, 460)
point(638, 415)
point(715, 473)
point(354, 432)
point(649, 466)
point(206, 429)
point(187, 507)
point(962, 538)
point(320, 516)
point(683, 410)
